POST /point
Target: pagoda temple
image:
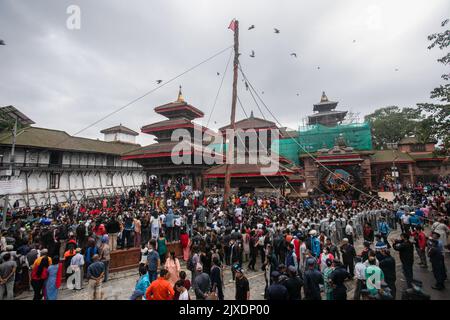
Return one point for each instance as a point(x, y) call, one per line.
point(250, 177)
point(326, 115)
point(156, 158)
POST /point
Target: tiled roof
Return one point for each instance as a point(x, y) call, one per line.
point(413, 140)
point(61, 140)
point(177, 105)
point(120, 129)
point(161, 147)
point(426, 155)
point(390, 156)
point(251, 123)
point(240, 169)
point(167, 123)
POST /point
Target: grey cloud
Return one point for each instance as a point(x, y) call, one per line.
point(67, 79)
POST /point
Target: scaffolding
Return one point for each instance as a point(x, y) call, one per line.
point(315, 137)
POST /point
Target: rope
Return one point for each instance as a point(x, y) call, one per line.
point(301, 146)
point(220, 87)
point(146, 94)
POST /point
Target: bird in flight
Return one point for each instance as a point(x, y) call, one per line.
point(253, 54)
point(298, 94)
point(251, 27)
point(354, 41)
point(396, 69)
point(2, 43)
point(218, 73)
point(318, 68)
point(276, 30)
point(158, 81)
point(294, 54)
point(262, 92)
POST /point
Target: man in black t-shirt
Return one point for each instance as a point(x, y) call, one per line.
point(242, 285)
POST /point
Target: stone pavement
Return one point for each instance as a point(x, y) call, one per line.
point(121, 284)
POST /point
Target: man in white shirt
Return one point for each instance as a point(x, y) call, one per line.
point(360, 274)
point(77, 263)
point(349, 232)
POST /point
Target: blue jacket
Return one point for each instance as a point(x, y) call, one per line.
point(383, 227)
point(315, 246)
point(414, 220)
point(143, 283)
point(169, 218)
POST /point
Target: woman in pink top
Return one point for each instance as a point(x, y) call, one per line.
point(173, 266)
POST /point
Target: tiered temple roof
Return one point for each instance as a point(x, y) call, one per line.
point(326, 115)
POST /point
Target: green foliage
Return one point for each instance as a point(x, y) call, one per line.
point(391, 124)
point(438, 115)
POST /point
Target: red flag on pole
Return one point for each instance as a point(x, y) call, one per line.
point(232, 25)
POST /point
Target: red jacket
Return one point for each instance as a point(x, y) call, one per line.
point(184, 240)
point(422, 240)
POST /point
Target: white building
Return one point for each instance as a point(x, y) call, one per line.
point(51, 166)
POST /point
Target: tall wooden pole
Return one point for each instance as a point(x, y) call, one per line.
point(230, 151)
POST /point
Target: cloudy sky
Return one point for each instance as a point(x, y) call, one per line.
point(67, 79)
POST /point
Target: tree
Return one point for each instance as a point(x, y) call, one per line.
point(438, 114)
point(391, 124)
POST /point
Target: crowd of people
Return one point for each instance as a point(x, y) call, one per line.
point(306, 248)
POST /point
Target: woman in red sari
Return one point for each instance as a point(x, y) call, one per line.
point(185, 244)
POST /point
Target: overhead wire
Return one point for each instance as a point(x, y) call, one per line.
point(287, 181)
point(220, 88)
point(301, 146)
point(146, 93)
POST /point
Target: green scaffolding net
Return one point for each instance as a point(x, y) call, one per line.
point(315, 137)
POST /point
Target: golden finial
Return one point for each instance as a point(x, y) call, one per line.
point(180, 96)
point(324, 97)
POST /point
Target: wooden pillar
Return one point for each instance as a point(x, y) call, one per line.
point(82, 183)
point(27, 189)
point(411, 172)
point(68, 184)
point(48, 188)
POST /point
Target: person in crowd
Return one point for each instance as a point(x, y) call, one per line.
point(242, 285)
point(420, 243)
point(172, 265)
point(348, 256)
point(216, 276)
point(185, 244)
point(384, 230)
point(153, 261)
point(337, 279)
point(360, 274)
point(7, 275)
point(312, 281)
point(137, 232)
point(374, 277)
point(96, 275)
point(181, 290)
point(77, 265)
point(38, 276)
point(162, 248)
point(201, 283)
point(161, 288)
point(53, 281)
point(142, 283)
point(294, 284)
point(436, 255)
point(105, 255)
point(387, 265)
point(406, 252)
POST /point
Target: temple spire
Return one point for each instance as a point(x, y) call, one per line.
point(180, 96)
point(251, 114)
point(324, 97)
